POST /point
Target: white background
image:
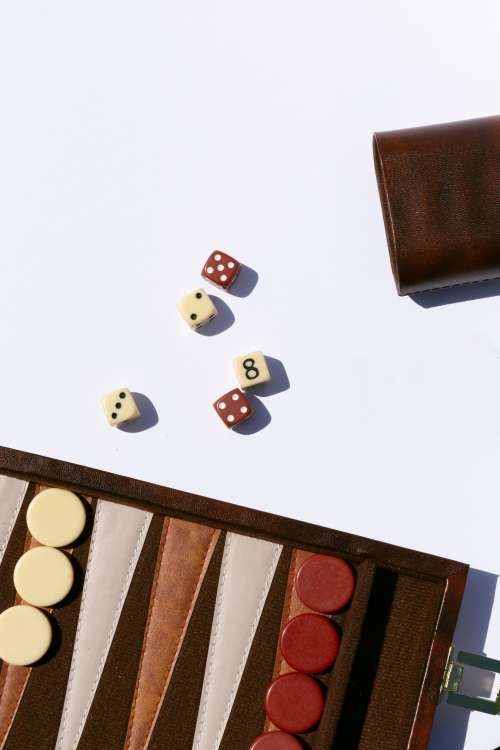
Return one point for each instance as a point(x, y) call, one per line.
point(135, 138)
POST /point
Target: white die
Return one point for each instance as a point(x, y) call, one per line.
point(119, 406)
point(251, 369)
point(197, 308)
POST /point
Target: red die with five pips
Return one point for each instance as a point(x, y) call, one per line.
point(221, 269)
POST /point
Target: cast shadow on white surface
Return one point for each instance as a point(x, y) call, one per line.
point(259, 419)
point(450, 724)
point(453, 294)
point(261, 416)
point(148, 418)
point(222, 321)
point(279, 379)
point(245, 282)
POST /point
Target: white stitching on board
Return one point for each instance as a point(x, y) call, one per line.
point(217, 620)
point(79, 627)
point(69, 690)
point(263, 597)
point(114, 622)
point(13, 521)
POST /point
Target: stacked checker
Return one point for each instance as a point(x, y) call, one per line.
point(378, 675)
point(309, 645)
point(43, 575)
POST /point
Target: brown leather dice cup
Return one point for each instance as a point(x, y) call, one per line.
point(440, 192)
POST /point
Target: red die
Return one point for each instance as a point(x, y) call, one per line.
point(233, 408)
point(221, 269)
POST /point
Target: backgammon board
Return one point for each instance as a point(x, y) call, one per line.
point(170, 637)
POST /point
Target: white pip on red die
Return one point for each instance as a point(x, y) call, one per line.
point(233, 408)
point(221, 269)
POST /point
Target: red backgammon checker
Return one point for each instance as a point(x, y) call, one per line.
point(310, 643)
point(221, 269)
point(324, 583)
point(276, 741)
point(294, 702)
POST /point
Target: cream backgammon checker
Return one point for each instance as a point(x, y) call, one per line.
point(43, 576)
point(198, 625)
point(25, 636)
point(56, 517)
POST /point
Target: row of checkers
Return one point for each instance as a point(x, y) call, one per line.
point(309, 644)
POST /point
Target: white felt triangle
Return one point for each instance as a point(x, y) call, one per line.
point(247, 571)
point(12, 492)
point(117, 539)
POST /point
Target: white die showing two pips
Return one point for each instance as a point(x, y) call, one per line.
point(197, 308)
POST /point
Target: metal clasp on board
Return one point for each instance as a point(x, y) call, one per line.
point(454, 672)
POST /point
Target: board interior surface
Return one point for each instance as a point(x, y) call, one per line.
point(144, 646)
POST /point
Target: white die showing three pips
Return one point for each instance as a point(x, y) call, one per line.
point(119, 406)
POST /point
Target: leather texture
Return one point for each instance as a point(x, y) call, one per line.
point(13, 678)
point(174, 728)
point(186, 547)
point(13, 681)
point(292, 607)
point(36, 722)
point(12, 492)
point(247, 571)
point(247, 717)
point(440, 193)
point(421, 621)
point(108, 719)
point(117, 539)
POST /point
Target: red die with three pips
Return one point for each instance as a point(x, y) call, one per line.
point(221, 269)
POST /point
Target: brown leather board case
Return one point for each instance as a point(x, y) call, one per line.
point(440, 192)
point(381, 693)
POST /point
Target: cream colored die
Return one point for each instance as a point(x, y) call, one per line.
point(119, 406)
point(197, 308)
point(251, 369)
